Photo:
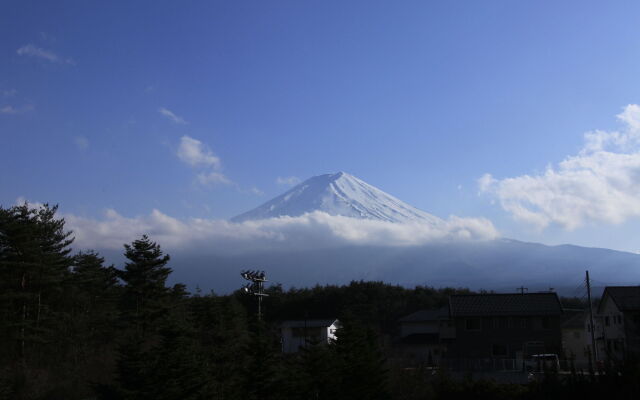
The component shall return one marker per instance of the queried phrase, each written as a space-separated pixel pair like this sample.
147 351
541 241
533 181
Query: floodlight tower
255 287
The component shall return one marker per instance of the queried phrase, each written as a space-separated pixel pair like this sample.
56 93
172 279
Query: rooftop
505 304
434 314
627 298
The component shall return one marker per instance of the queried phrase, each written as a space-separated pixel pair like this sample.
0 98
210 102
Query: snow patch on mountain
339 194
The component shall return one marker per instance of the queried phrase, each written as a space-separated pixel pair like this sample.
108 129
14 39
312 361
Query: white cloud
32 204
195 153
599 184
173 117
256 191
9 109
81 142
288 181
213 178
37 52
9 92
312 230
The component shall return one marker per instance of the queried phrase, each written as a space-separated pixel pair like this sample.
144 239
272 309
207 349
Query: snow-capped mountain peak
339 194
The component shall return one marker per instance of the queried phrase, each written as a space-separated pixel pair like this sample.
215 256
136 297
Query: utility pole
594 349
522 289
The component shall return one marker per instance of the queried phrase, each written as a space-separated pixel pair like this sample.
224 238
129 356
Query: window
606 321
473 324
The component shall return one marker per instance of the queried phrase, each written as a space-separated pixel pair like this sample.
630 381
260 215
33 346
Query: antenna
255 286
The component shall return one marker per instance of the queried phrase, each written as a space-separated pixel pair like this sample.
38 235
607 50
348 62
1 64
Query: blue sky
420 99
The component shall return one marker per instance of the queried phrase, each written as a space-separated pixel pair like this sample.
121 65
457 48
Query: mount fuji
339 194
495 264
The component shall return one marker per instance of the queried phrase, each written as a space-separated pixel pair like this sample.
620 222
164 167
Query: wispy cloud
198 155
8 110
172 116
288 181
304 232
81 142
599 184
195 153
48 55
213 178
15 110
9 92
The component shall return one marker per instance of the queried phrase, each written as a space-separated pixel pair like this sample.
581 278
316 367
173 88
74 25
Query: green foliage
145 297
361 364
34 264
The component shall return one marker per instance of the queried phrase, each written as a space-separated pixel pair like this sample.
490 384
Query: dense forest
72 327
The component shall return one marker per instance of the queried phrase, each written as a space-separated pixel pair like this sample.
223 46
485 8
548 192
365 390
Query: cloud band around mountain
312 230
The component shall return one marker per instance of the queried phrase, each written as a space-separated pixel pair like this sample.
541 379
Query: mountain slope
500 265
339 194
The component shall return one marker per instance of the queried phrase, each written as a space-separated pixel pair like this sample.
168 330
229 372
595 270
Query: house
505 326
617 329
425 334
575 338
301 333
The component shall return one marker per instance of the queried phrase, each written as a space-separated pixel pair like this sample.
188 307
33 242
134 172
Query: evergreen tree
146 295
221 325
361 365
317 376
34 268
92 329
260 376
178 369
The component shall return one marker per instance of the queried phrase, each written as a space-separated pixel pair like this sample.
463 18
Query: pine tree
34 263
361 364
92 329
221 326
95 293
316 374
178 369
260 375
146 295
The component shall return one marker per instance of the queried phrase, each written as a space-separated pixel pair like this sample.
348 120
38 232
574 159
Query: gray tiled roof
627 298
508 304
434 314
